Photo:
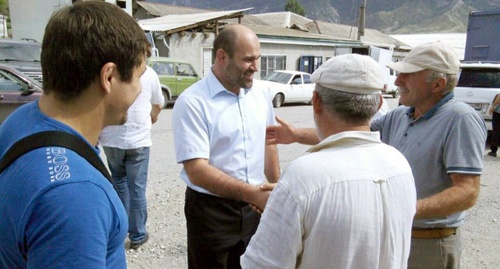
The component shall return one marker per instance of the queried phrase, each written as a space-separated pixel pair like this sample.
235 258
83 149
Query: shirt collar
433 110
349 137
215 87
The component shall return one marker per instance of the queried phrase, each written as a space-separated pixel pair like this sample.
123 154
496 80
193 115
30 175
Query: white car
287 86
477 86
390 87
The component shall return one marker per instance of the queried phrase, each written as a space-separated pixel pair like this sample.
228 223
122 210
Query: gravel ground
167 226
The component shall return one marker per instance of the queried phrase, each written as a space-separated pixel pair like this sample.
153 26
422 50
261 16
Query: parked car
23 55
477 86
16 89
175 76
287 86
390 87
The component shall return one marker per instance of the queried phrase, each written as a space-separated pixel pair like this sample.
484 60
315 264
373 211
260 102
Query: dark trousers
218 230
495 134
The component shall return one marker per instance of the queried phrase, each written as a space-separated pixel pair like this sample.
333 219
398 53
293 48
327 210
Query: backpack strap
54 138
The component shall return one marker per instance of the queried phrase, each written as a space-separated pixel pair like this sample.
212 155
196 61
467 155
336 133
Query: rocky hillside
388 16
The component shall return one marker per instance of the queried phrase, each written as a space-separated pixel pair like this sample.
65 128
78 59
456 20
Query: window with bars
269 63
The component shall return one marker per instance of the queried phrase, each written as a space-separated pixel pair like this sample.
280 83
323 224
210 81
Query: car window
185 70
279 77
163 68
297 79
9 83
20 52
307 79
479 77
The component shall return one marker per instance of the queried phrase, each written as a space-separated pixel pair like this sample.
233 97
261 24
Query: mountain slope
388 16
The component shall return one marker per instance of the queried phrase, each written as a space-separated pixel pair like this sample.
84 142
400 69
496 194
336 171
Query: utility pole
361 23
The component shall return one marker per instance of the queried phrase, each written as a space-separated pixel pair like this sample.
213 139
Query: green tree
4 7
295 7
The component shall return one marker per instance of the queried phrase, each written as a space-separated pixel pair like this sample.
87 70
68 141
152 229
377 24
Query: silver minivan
477 86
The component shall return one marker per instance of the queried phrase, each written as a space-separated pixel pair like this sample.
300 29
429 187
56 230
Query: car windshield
20 52
479 77
279 77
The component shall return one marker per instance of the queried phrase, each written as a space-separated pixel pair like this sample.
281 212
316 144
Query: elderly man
443 140
350 202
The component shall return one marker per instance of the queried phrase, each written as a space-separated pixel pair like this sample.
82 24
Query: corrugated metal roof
370 37
174 23
271 25
283 19
252 20
273 31
160 9
335 31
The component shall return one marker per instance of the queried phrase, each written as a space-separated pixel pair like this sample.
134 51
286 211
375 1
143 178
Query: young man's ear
107 75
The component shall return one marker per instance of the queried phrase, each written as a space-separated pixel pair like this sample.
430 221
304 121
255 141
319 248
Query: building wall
190 48
295 52
3 30
196 49
29 17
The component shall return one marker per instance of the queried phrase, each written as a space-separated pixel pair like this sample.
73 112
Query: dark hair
225 40
80 39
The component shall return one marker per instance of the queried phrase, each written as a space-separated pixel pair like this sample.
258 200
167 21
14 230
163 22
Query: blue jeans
129 170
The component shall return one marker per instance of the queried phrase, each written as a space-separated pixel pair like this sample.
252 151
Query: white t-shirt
135 133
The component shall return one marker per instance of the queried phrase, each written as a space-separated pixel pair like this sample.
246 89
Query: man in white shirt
350 202
127 152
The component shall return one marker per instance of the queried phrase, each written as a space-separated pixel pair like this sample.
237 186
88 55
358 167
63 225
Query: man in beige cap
350 202
442 139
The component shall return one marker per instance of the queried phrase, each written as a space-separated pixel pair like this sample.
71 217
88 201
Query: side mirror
28 90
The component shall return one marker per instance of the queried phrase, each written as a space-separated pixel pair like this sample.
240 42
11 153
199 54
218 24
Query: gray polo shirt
450 138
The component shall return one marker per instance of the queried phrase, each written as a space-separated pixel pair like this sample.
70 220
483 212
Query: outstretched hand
280 134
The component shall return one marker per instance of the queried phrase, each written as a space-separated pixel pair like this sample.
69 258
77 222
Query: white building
456 40
29 17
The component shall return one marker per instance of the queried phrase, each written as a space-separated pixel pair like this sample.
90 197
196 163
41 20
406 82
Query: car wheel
166 97
277 100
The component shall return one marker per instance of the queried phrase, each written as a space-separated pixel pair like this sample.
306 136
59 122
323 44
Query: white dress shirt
229 130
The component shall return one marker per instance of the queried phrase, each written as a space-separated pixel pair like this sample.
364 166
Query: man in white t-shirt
350 202
127 152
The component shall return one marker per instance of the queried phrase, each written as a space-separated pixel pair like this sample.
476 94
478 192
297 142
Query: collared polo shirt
449 138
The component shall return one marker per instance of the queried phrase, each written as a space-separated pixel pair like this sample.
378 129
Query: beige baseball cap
351 73
437 56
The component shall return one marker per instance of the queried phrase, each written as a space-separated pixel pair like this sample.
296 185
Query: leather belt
432 233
